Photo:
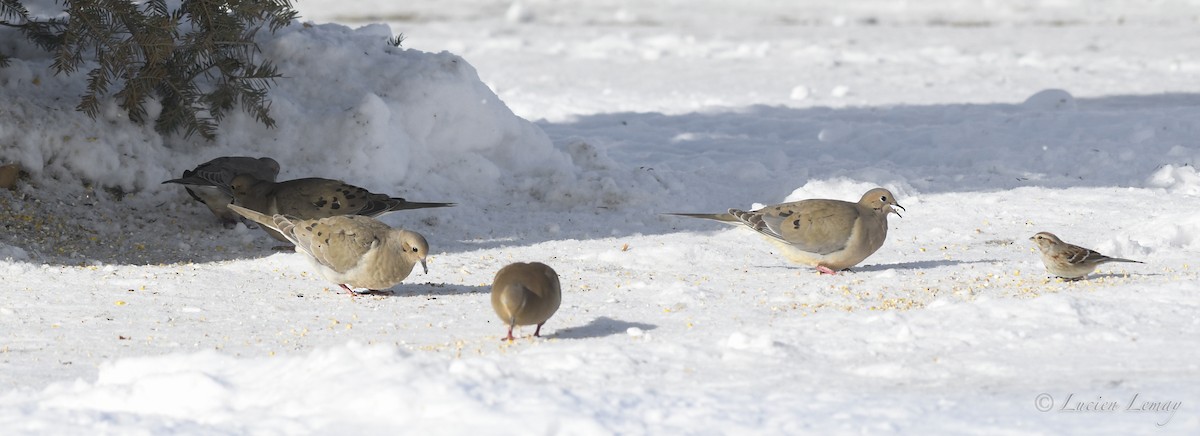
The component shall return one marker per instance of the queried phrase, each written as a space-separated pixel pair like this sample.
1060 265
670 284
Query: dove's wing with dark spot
310 198
339 242
816 226
359 201
320 198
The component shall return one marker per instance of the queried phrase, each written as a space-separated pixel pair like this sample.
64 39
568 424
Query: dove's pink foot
538 332
510 336
347 288
824 270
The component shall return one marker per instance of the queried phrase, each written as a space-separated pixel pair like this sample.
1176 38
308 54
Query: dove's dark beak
901 208
424 267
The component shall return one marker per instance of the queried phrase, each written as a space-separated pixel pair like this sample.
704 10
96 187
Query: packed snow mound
395 117
350 106
1168 231
1051 100
1176 180
376 388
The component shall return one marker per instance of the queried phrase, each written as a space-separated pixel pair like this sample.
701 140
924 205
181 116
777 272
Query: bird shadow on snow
428 290
1119 276
600 327
919 264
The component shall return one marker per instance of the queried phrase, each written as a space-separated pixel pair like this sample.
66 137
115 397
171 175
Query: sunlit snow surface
563 130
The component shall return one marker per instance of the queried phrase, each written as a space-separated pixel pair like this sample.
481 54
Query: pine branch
13 10
45 34
396 41
199 60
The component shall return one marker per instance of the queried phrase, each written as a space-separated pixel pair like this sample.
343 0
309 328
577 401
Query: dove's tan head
1045 240
881 200
271 165
414 246
242 182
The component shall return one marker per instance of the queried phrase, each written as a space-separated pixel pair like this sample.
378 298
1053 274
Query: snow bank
1176 180
350 389
350 106
1051 100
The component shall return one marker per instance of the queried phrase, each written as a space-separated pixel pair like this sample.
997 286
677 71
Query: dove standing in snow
353 251
526 294
314 198
209 182
1069 261
831 235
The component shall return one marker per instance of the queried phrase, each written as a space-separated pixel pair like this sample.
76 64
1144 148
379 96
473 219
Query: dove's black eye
414 249
883 199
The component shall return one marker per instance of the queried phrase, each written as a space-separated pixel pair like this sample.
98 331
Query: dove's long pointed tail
1118 259
722 217
278 223
190 178
405 205
376 209
255 216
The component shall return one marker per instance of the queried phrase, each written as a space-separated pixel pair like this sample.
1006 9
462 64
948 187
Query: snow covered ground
127 309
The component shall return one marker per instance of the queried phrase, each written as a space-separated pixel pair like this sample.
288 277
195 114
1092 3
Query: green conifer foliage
199 60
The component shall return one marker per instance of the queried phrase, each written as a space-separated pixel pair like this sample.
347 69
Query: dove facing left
314 198
352 251
209 183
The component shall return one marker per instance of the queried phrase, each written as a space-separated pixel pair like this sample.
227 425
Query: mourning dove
1069 261
526 294
352 251
209 182
314 198
831 235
